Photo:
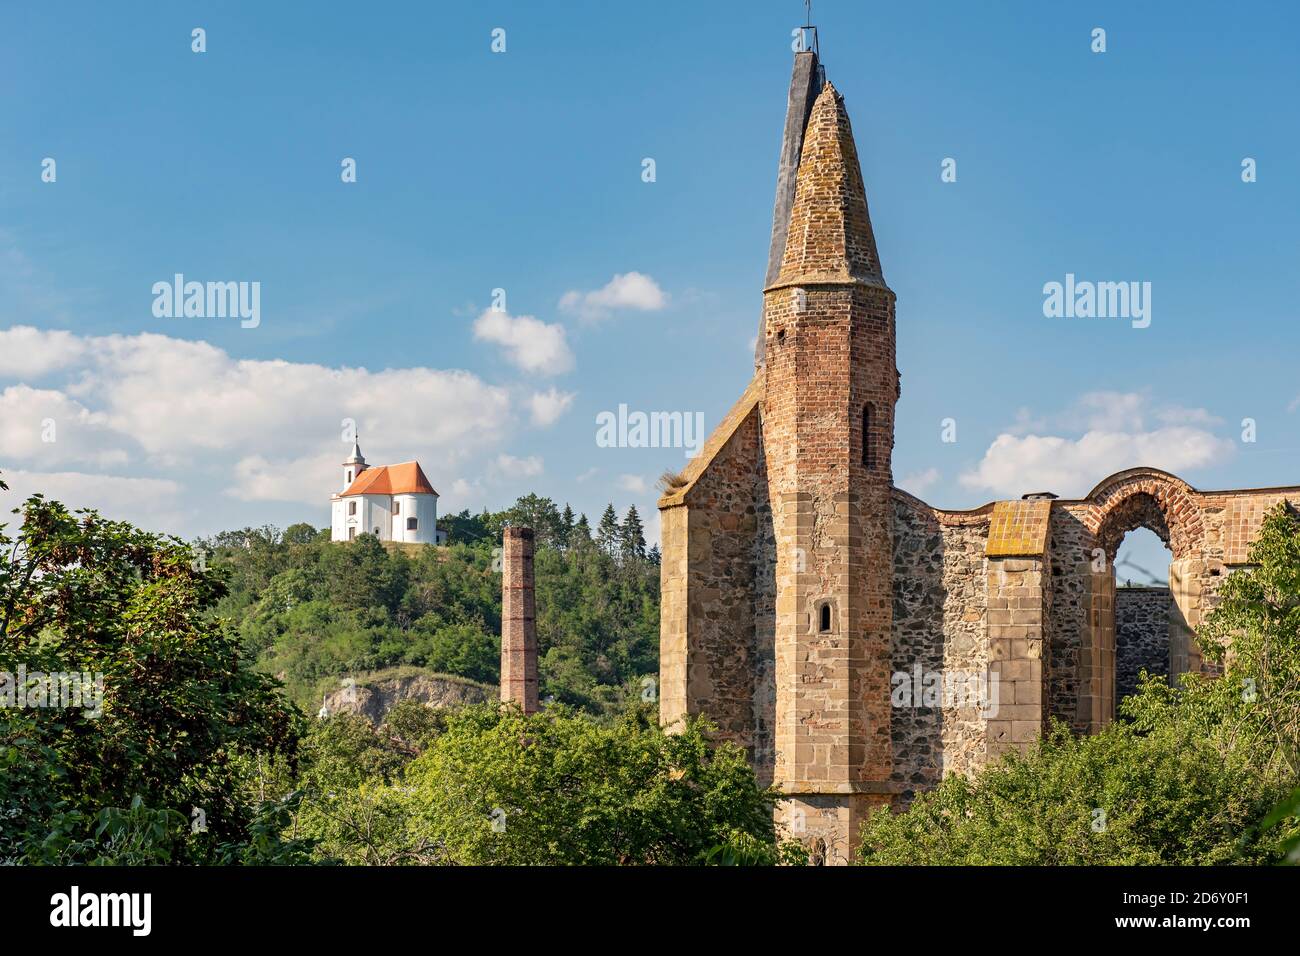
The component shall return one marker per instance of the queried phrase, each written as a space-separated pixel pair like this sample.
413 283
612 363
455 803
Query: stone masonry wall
708 644
1141 635
939 610
762 747
1069 625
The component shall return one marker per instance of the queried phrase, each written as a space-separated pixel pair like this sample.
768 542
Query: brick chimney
518 624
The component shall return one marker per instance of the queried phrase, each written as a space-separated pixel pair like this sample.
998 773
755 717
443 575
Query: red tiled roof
404 479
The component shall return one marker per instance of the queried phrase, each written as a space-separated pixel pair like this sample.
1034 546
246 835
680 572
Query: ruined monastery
797 580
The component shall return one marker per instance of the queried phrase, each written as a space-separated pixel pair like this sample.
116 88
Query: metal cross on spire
808 25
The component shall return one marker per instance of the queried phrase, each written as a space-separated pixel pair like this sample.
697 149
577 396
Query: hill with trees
314 613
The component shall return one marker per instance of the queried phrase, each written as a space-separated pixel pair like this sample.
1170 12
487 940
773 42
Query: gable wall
708 651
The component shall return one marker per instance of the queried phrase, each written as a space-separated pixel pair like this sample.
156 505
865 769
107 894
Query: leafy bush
494 786
557 788
1135 795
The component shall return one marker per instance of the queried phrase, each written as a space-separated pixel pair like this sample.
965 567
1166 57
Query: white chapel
392 502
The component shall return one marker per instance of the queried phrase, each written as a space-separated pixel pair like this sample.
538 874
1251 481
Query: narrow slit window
868 460
825 622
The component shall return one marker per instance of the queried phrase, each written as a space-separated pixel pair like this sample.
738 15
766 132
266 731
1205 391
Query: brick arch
1145 498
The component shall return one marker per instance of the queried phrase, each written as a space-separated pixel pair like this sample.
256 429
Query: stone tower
518 620
827 434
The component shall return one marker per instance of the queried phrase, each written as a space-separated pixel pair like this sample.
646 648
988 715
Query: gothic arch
1167 505
1145 498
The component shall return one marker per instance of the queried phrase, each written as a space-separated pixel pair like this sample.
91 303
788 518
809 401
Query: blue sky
522 171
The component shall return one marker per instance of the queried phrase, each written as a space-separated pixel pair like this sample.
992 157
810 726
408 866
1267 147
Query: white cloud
1027 422
1118 411
155 407
308 480
1114 437
920 482
529 343
1106 411
547 407
33 353
1177 415
46 428
149 503
179 399
633 483
462 490
516 467
628 290
1294 404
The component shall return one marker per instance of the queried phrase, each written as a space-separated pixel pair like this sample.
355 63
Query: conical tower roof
830 237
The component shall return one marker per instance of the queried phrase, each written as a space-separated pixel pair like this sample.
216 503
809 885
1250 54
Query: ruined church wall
940 605
1073 620
709 656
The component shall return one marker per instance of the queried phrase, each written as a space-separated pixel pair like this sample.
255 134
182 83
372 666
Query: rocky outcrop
376 695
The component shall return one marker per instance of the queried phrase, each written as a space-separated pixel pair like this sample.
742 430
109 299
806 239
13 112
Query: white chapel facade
392 502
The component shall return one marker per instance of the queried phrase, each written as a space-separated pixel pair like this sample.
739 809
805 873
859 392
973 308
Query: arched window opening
1142 609
824 625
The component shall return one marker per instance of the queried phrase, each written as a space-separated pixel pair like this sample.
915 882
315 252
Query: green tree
364 574
499 787
179 707
632 534
608 534
463 649
581 534
567 521
1255 629
304 533
348 811
464 528
540 514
